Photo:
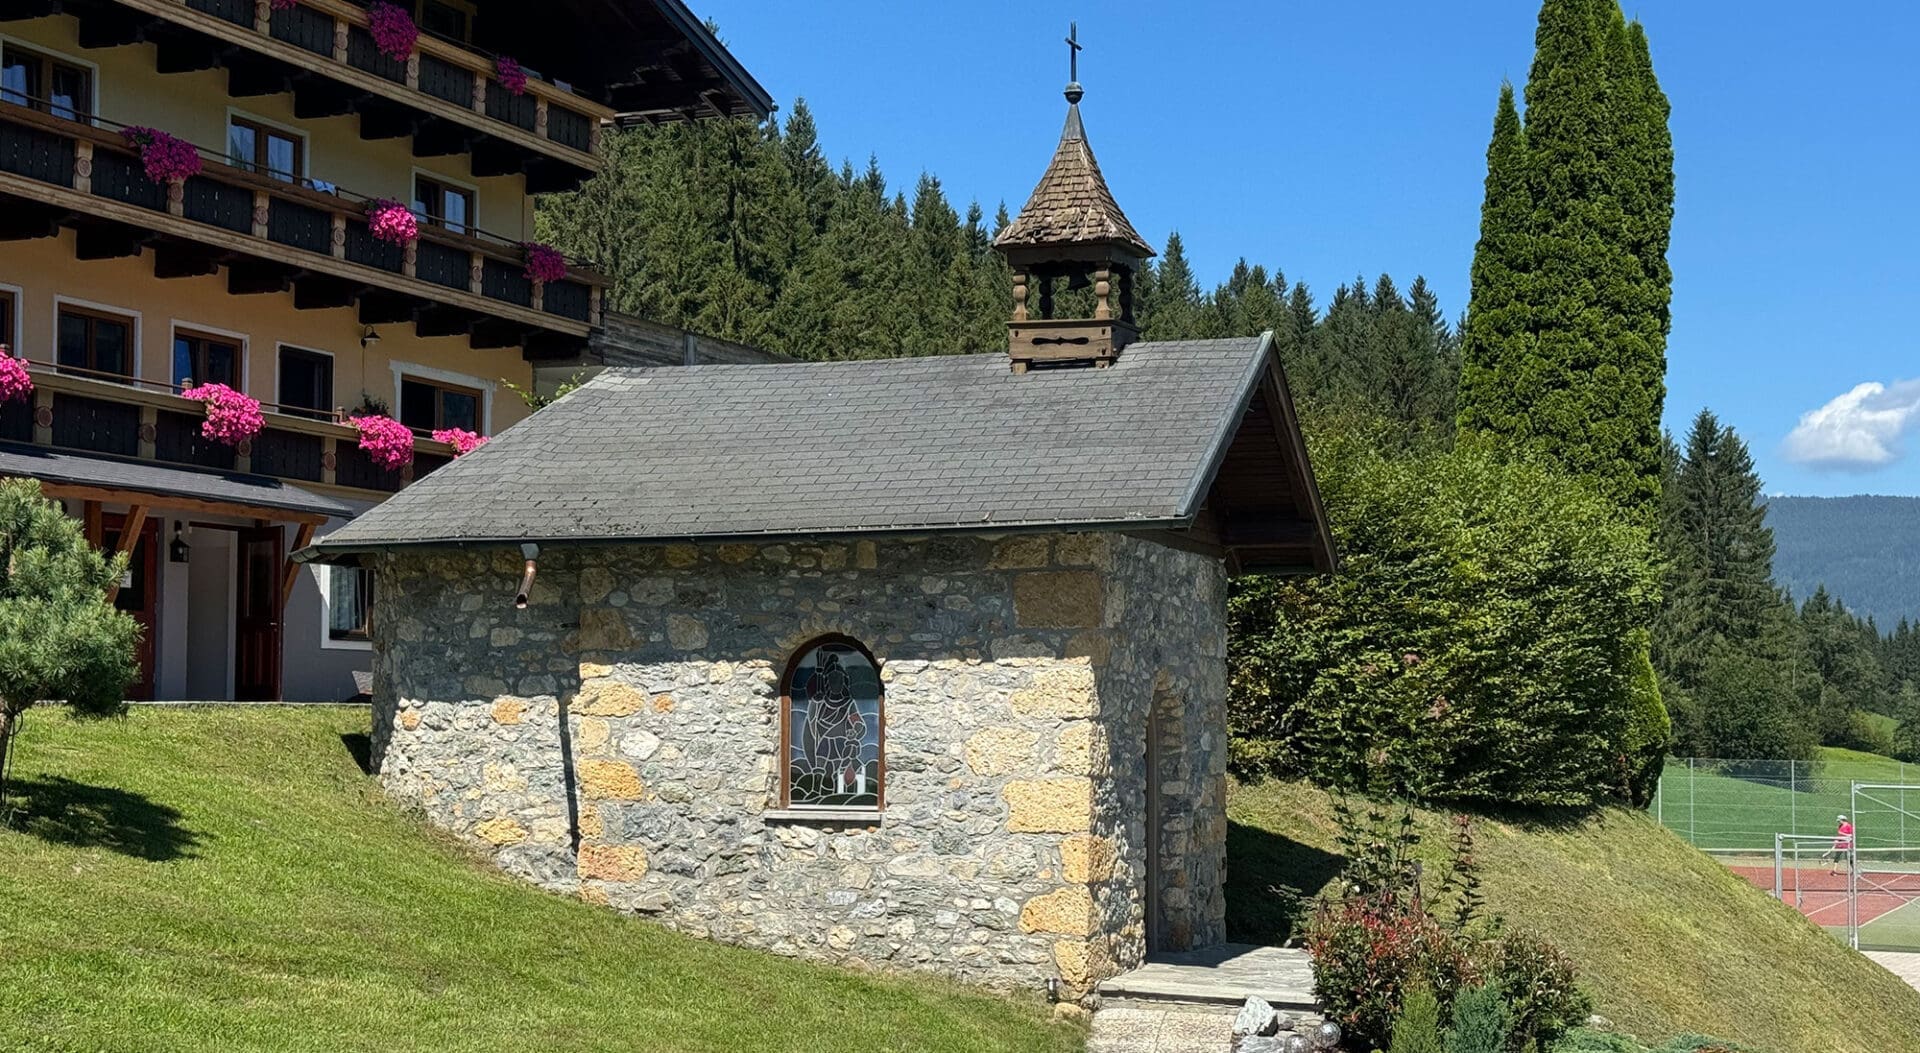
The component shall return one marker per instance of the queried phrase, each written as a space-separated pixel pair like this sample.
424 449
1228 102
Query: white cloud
1860 429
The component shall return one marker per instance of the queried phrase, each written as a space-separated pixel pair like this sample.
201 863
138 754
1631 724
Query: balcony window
448 21
45 83
271 151
95 342
7 319
427 406
443 204
201 359
306 383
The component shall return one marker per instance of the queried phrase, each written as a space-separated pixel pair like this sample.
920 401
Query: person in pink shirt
1842 844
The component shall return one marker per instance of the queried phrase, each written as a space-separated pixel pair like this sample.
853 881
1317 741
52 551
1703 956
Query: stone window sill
822 815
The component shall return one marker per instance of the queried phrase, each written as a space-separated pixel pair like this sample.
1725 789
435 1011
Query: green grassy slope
225 879
1668 941
1742 804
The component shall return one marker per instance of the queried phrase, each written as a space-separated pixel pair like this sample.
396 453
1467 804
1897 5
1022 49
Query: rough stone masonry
633 710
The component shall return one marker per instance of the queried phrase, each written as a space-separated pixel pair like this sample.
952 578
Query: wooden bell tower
1071 229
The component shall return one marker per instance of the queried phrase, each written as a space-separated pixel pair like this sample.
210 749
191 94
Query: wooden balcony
446 97
274 236
122 417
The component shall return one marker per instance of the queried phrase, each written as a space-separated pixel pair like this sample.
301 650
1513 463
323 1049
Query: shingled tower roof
1072 205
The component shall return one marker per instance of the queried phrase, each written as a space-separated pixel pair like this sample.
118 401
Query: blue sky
1336 139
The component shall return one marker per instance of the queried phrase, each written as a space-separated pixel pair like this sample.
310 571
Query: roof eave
757 98
322 552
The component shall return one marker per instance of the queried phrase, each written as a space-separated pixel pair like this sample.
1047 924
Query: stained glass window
833 728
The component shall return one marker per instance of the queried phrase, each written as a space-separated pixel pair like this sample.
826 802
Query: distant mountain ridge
1865 550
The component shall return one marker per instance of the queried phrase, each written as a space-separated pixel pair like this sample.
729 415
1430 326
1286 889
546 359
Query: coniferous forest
1531 569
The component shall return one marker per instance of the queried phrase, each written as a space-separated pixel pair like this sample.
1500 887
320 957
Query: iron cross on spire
1073 52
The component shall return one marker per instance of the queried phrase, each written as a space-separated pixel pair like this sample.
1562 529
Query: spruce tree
1498 335
1173 313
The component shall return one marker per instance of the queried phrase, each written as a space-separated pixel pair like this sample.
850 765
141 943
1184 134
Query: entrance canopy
83 478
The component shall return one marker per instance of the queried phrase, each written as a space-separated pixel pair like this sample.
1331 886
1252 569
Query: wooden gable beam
301 539
136 521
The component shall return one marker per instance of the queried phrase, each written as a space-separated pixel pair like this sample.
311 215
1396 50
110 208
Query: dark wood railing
334 33
92 158
90 412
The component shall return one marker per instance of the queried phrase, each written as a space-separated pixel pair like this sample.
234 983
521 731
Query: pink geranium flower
232 417
510 75
164 157
393 31
463 441
393 222
387 441
15 383
544 263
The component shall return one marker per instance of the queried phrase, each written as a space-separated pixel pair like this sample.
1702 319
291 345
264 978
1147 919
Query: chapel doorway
1156 879
256 629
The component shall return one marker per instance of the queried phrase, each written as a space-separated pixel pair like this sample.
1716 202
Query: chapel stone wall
618 739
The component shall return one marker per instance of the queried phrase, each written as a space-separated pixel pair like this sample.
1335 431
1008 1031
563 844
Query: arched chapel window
831 727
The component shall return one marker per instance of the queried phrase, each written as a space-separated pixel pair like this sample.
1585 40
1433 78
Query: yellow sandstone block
509 710
1001 751
1085 858
610 780
501 831
1067 912
1049 806
608 698
1063 692
612 862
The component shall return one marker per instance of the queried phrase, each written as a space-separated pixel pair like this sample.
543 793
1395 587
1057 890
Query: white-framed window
95 338
12 329
427 399
48 81
346 607
303 381
259 145
446 202
206 354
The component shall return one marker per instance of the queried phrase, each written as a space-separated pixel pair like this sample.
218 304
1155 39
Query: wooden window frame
10 322
786 732
439 409
262 130
358 640
47 61
63 308
466 9
434 211
279 383
208 336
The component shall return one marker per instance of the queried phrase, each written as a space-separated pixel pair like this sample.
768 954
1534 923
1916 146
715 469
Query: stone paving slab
1223 975
1146 1028
1902 964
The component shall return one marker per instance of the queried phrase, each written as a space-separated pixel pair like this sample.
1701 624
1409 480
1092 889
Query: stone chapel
914 663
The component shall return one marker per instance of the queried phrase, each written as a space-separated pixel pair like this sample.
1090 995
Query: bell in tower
1071 229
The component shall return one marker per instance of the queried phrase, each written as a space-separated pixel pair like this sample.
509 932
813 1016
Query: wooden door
139 595
256 619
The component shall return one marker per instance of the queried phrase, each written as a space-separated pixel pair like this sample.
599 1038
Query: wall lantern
178 550
370 337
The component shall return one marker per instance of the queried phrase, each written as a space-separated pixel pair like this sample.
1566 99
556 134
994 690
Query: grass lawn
1668 940
1741 805
228 879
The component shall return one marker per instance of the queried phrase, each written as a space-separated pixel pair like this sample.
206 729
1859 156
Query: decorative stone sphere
1327 1034
1295 1042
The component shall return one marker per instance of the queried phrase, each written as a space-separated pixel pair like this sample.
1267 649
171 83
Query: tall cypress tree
1566 355
1497 337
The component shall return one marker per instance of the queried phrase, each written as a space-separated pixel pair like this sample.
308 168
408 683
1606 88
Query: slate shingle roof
1072 204
825 448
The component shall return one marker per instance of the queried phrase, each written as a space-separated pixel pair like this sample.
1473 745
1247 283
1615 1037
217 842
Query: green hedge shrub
1482 641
